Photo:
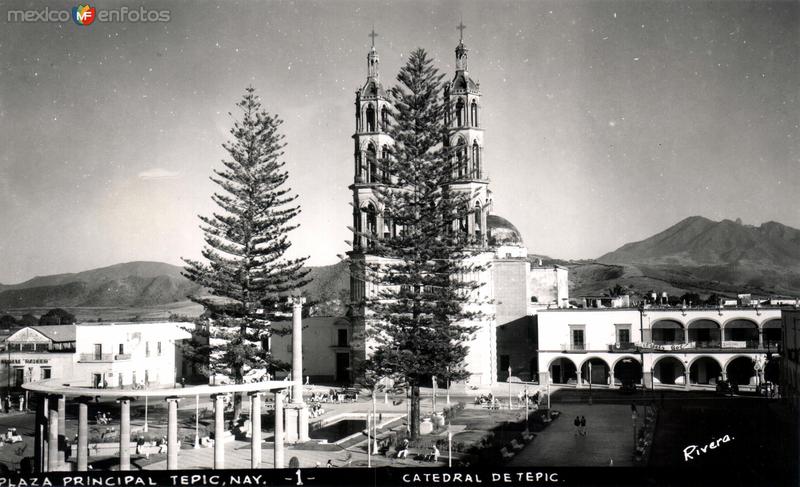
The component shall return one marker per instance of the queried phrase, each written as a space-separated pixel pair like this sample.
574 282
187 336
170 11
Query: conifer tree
418 321
247 270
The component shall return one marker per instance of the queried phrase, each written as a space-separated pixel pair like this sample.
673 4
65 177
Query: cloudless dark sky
606 121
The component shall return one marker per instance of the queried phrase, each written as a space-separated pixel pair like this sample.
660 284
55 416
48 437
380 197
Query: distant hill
128 284
701 255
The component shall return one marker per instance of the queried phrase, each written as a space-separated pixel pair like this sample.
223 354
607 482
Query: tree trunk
237 406
414 412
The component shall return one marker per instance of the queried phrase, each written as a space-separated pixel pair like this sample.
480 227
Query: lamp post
526 407
145 414
197 421
433 380
634 415
509 387
590 383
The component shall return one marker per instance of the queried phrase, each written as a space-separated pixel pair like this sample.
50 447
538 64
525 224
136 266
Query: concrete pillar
544 378
724 374
83 436
648 379
302 424
255 430
278 452
579 383
40 436
52 441
760 338
297 348
62 429
611 379
219 431
290 415
124 433
172 433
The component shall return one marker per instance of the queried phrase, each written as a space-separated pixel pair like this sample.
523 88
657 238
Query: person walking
577 424
583 425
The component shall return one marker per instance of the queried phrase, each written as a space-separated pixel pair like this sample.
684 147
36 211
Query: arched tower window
359 168
477 216
463 223
372 225
384 119
388 228
370 118
372 163
460 113
476 160
461 162
473 110
384 162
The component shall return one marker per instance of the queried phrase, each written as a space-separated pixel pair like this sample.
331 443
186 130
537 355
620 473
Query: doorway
342 367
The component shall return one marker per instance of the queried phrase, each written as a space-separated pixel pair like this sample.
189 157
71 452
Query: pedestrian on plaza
329 464
577 424
583 425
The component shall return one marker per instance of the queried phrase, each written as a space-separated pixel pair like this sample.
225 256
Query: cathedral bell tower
371 143
462 98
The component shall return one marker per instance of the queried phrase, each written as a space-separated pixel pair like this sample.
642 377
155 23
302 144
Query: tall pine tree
247 270
426 305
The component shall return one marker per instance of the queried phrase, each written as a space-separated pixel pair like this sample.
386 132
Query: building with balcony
657 346
95 354
790 360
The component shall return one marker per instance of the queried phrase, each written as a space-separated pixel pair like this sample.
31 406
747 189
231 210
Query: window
577 337
372 163
372 224
46 373
474 113
384 118
370 119
146 349
478 217
98 351
460 115
476 163
158 345
623 335
505 363
121 348
341 337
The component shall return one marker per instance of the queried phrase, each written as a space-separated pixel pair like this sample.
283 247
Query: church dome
503 232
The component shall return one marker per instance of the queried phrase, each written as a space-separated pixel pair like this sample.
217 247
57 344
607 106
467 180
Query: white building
95 354
705 343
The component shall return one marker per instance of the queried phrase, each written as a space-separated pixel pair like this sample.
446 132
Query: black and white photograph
399 243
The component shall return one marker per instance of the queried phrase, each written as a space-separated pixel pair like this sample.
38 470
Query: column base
290 415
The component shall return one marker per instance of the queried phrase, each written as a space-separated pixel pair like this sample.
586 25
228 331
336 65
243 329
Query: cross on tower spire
461 28
373 35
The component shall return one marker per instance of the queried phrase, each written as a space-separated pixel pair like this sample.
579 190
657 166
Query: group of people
484 399
316 410
8 403
102 418
432 456
580 425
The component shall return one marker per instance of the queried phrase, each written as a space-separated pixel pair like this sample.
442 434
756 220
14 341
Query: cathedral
513 288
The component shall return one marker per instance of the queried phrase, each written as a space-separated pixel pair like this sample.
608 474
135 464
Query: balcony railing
574 347
122 356
622 347
93 357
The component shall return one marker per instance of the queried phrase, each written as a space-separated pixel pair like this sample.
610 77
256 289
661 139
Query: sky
606 121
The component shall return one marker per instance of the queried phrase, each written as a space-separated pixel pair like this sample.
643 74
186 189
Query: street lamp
509 387
433 379
634 415
590 383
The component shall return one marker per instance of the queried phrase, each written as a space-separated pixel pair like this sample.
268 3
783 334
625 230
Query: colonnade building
657 346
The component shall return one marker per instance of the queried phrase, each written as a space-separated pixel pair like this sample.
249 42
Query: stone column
290 416
544 378
124 433
297 348
219 431
579 384
611 384
40 436
302 424
255 430
83 435
647 379
52 441
62 429
172 433
278 452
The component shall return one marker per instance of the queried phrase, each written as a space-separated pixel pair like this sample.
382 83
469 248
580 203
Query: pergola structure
51 431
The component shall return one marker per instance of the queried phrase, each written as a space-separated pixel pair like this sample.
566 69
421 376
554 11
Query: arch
667 332
562 370
372 224
741 370
370 116
772 333
478 218
461 158
384 119
668 369
627 369
741 330
372 164
384 162
476 160
600 371
473 112
704 370
705 332
460 113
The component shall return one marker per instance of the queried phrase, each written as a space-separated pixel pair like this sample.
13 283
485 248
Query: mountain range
695 255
